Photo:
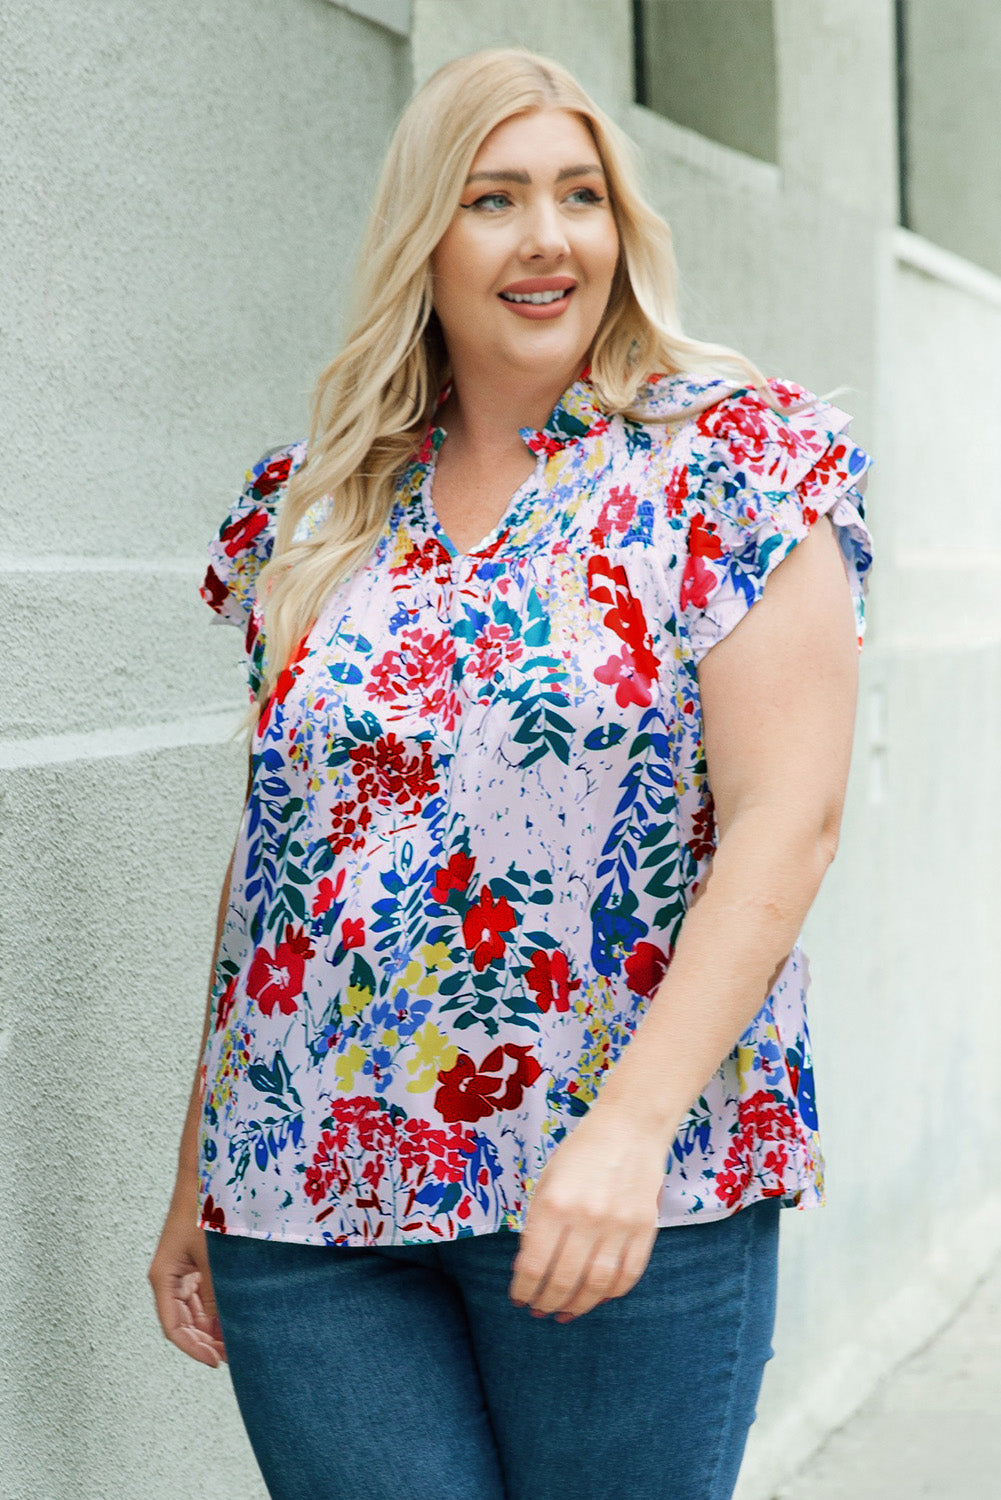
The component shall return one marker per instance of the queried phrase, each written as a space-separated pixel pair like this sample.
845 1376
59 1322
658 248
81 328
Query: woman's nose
545 233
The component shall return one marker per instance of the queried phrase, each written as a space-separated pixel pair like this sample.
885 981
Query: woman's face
523 273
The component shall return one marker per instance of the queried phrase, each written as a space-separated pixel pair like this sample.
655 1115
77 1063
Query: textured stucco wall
952 81
183 188
186 190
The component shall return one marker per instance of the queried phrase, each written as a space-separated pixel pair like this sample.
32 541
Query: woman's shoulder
745 437
752 475
679 397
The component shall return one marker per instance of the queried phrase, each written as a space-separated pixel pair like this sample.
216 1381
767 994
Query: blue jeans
406 1373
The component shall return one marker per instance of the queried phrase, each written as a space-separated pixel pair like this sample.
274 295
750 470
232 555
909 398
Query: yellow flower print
436 961
433 1053
745 1068
347 1065
422 977
401 547
355 999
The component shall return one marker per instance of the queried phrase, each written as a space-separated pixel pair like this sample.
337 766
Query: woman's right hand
182 1284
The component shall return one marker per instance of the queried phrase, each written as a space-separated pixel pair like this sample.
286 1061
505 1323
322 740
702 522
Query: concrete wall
952 82
187 191
183 190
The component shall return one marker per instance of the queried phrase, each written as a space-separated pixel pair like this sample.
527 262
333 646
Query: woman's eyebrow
511 175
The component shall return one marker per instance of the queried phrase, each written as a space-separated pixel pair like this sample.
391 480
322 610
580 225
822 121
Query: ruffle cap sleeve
242 547
757 480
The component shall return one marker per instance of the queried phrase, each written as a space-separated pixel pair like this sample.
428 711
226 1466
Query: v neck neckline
512 513
572 419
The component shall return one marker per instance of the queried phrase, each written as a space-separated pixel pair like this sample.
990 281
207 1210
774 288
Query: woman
507 1018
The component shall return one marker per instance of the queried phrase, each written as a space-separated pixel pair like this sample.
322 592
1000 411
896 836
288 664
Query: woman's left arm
778 704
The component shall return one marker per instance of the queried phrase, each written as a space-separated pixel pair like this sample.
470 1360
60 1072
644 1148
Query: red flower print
320 1174
417 678
238 535
213 1216
353 933
422 560
284 684
788 391
676 490
213 590
349 823
483 925
361 1137
224 1008
702 538
617 512
470 1093
765 1118
389 776
645 968
273 475
422 1148
276 978
454 877
492 648
631 686
735 1176
253 628
703 837
776 1161
548 977
697 584
744 416
327 893
608 584
542 442
698 581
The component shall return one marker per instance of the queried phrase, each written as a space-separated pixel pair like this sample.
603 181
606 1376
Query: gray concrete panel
710 65
110 871
952 81
184 188
88 648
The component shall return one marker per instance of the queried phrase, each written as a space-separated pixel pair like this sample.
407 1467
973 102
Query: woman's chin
547 346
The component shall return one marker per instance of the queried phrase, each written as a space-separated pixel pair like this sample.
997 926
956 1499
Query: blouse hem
802 1195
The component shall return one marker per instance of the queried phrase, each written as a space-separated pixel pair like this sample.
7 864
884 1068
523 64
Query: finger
539 1245
196 1289
603 1283
634 1262
602 1273
200 1346
182 1319
567 1272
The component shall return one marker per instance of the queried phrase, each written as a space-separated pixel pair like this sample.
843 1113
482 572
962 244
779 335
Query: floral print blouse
479 810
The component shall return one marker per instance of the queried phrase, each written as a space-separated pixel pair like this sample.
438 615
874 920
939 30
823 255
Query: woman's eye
489 202
585 195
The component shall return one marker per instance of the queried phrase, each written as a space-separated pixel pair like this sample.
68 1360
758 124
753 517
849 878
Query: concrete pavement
932 1429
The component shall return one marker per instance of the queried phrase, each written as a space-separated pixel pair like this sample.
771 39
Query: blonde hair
372 403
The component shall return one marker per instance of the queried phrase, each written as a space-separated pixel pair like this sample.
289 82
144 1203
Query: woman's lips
537 311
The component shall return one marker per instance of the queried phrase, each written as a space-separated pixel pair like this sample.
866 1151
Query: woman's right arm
179 1271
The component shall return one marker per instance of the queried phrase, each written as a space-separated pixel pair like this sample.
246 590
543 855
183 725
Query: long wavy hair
372 403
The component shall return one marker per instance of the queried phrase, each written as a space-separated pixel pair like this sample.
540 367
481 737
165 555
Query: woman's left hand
591 1221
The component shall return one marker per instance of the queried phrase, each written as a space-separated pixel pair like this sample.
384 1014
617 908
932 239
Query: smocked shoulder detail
755 481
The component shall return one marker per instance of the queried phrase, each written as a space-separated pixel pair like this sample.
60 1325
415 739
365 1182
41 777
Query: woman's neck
485 413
